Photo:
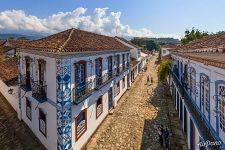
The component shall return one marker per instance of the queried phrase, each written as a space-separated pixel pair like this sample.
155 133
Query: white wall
11 98
50 142
214 73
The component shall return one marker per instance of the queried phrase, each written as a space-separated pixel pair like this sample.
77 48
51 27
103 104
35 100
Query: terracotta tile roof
2 42
73 40
128 42
133 62
213 59
8 69
170 46
146 52
211 41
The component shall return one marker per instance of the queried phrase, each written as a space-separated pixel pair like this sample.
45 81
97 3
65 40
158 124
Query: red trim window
28 109
99 107
123 85
42 122
81 124
118 88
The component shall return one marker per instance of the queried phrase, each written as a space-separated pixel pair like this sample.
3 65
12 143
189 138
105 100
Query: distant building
197 81
138 58
167 49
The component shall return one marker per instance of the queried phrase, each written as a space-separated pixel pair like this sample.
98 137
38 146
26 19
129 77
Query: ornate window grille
204 80
99 107
221 107
28 109
42 122
81 124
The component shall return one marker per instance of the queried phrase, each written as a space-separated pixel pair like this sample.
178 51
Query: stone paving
14 134
135 119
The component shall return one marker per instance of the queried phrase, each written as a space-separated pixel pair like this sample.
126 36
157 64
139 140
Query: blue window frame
192 82
205 95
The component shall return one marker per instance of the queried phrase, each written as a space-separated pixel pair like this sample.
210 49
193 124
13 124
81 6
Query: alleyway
14 134
135 119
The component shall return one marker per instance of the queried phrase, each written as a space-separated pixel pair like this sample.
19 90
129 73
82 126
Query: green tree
152 45
163 69
23 38
193 35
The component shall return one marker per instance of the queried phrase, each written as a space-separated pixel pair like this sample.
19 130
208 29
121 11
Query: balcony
81 92
25 83
39 91
101 81
110 74
206 131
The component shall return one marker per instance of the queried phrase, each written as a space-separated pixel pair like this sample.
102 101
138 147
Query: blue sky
163 17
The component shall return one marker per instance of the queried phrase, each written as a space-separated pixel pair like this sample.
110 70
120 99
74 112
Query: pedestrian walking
160 134
148 79
166 137
151 79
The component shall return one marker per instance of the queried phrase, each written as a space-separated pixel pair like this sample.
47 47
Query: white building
197 81
138 58
69 82
167 49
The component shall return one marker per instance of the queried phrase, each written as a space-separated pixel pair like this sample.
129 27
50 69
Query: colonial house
137 61
8 50
197 81
69 82
167 49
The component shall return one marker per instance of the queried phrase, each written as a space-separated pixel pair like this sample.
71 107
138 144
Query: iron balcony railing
25 83
201 122
101 81
39 91
82 91
110 74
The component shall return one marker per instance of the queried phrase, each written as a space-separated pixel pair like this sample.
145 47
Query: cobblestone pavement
135 119
14 134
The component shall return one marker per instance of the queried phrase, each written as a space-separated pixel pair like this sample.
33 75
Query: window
205 92
99 107
118 88
128 63
80 72
98 71
123 61
42 122
81 123
123 85
192 82
164 51
28 108
222 107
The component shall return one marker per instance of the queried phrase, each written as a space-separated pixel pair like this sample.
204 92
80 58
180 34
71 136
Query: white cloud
100 22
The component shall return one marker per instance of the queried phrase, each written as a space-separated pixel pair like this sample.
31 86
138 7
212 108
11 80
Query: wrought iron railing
39 91
110 74
201 122
81 91
25 83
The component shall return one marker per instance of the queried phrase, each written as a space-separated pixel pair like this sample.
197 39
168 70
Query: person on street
160 134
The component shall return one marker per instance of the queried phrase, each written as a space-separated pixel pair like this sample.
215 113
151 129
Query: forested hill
154 43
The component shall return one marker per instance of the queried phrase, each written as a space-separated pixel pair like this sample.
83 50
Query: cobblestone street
14 134
135 119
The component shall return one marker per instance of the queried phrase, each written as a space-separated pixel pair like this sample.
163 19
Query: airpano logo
209 143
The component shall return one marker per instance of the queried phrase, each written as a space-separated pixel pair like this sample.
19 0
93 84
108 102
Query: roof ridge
69 37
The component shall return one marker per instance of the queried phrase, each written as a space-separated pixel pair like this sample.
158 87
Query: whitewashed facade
64 97
197 90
